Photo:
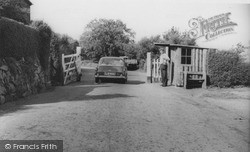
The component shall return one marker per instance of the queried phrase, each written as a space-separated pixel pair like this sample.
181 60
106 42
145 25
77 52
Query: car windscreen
111 62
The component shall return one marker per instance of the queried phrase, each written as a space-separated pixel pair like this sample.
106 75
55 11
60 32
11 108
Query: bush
45 33
15 14
56 72
17 40
59 45
228 69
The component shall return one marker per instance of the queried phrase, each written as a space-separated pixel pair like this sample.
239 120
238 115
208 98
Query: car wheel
79 77
123 81
97 80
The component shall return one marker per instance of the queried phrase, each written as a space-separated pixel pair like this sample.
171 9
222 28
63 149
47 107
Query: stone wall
24 55
20 78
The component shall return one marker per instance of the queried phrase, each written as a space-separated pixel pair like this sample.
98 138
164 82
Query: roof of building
28 2
180 45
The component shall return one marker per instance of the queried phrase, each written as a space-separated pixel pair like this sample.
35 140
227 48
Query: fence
156 72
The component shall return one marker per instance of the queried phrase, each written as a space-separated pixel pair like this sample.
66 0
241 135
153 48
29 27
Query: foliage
18 40
59 45
106 37
45 33
13 13
43 28
174 36
55 60
147 45
53 46
67 45
227 68
131 50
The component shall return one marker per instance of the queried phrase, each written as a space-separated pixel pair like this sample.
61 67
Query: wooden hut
187 66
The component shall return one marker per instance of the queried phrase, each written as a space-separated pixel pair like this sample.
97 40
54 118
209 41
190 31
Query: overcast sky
145 17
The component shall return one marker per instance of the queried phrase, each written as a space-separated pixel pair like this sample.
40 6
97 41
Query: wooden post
157 70
153 74
166 51
177 67
204 84
78 50
200 61
149 71
78 59
160 78
63 69
185 79
170 66
193 60
197 60
194 64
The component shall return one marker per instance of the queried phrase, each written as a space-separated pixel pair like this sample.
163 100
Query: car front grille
101 73
119 73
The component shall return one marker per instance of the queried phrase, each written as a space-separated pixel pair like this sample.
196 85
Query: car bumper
110 77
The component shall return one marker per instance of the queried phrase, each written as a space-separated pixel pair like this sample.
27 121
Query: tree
174 36
59 44
131 50
106 37
147 45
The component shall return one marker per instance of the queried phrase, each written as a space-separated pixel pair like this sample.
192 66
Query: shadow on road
135 82
130 82
73 92
70 93
103 97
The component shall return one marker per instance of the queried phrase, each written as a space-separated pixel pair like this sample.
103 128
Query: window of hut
185 56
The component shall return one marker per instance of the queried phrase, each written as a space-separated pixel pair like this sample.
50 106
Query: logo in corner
211 28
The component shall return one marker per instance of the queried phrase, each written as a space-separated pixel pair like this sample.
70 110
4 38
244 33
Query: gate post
149 70
63 68
78 59
78 50
204 84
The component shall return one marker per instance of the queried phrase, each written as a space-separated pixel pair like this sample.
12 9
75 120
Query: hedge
228 69
15 14
45 33
35 41
18 40
22 41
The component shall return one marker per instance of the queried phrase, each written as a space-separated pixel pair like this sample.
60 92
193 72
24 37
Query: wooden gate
153 72
72 67
156 72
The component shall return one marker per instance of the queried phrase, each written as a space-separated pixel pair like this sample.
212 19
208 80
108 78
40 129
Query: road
132 117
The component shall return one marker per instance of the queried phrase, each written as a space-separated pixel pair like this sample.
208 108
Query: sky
145 17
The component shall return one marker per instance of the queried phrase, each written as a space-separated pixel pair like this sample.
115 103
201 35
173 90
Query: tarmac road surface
132 117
